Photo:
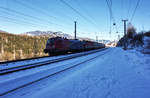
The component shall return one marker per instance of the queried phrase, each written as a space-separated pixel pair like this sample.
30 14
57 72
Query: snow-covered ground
146 45
27 76
116 74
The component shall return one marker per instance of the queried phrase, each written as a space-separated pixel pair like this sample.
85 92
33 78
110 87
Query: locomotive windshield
50 41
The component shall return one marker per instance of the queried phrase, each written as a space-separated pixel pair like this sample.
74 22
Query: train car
76 45
88 45
98 45
59 45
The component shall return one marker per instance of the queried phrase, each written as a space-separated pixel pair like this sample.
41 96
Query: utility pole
125 35
75 31
96 38
118 37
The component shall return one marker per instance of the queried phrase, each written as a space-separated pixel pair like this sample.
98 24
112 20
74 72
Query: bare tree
131 31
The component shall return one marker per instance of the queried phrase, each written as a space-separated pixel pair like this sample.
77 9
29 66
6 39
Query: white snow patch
117 74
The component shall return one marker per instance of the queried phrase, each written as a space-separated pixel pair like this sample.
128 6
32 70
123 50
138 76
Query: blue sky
56 16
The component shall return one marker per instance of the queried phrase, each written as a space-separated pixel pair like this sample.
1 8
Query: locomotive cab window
48 41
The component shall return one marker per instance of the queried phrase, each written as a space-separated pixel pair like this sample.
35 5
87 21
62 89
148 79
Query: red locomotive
59 45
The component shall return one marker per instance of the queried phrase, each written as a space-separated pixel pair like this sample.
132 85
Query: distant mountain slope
60 34
1 31
52 34
48 34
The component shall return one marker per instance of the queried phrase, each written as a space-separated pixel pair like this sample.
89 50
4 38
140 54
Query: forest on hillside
14 47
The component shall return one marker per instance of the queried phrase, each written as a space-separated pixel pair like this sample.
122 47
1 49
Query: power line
16 22
38 10
26 15
10 13
86 11
76 11
20 21
130 2
5 13
32 8
109 4
44 12
137 4
122 9
48 11
25 18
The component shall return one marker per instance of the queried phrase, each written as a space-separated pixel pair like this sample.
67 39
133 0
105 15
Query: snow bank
117 74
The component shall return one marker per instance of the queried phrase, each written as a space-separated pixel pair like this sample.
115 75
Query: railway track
43 63
2 93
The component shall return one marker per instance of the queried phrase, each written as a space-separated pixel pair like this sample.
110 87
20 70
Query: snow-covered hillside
60 34
48 33
140 42
115 74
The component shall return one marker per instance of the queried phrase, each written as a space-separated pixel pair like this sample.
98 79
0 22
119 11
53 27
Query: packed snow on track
117 74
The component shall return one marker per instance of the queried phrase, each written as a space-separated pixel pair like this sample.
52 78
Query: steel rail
55 73
33 65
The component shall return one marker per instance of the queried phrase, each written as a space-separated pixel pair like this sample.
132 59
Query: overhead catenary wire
44 12
137 4
129 8
122 9
76 11
89 15
25 19
47 11
21 21
26 5
34 9
26 15
6 13
16 22
109 4
112 18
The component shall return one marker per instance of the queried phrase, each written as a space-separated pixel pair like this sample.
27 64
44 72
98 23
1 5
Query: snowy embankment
146 46
117 74
38 60
28 76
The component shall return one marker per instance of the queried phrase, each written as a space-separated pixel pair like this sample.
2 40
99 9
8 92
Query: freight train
59 45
